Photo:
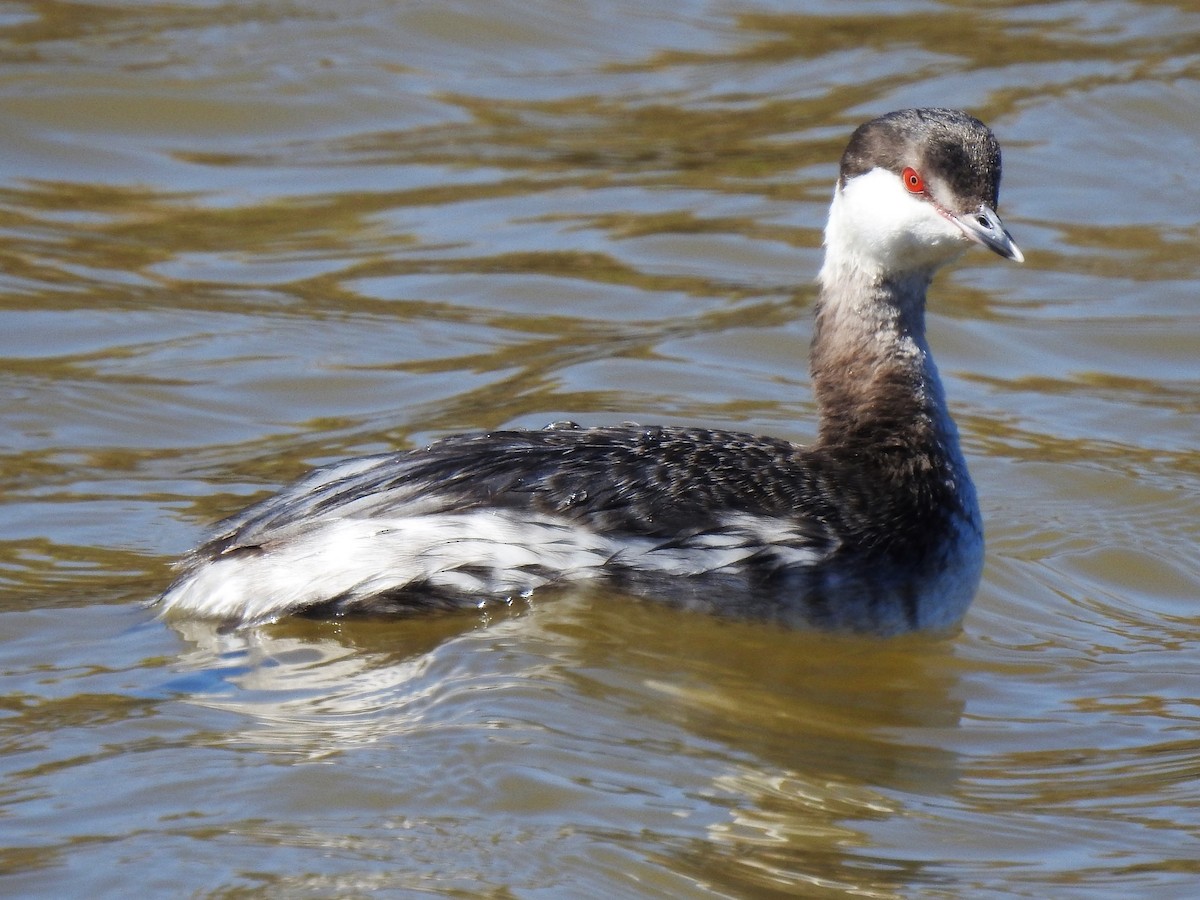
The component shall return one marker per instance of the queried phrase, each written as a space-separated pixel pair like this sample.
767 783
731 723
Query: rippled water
239 240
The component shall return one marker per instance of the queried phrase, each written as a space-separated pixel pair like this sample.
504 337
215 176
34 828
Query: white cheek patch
876 225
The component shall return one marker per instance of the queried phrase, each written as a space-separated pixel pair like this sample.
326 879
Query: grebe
873 528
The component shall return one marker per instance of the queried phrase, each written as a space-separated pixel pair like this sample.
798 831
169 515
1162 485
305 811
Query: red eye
914 182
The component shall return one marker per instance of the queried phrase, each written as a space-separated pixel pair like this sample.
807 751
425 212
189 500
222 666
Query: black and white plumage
875 527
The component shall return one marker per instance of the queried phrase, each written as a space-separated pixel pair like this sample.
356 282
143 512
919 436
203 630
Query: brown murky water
237 240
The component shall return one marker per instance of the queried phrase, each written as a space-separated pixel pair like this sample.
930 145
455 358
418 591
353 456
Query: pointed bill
984 227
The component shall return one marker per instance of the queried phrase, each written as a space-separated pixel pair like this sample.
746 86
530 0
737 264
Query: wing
672 484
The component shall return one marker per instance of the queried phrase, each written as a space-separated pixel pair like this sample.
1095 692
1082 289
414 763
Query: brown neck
875 383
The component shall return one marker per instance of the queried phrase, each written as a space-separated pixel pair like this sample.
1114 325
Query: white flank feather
492 553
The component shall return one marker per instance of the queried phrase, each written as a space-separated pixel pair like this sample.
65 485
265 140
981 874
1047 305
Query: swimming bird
874 527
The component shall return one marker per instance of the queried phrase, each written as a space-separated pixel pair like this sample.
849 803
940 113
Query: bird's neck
876 385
